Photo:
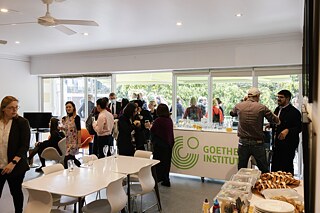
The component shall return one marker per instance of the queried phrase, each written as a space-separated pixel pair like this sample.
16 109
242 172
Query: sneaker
39 169
166 183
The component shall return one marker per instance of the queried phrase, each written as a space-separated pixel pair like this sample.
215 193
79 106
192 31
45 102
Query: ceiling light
4 10
179 23
17 42
239 14
85 34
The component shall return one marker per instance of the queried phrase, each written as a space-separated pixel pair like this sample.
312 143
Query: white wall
16 81
282 49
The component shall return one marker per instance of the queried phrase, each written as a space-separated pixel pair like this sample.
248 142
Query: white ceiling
132 23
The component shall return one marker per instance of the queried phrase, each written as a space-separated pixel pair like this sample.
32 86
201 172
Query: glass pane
271 85
73 90
192 87
51 96
230 90
152 86
98 87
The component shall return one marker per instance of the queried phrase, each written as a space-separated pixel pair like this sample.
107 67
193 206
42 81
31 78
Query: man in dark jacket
286 134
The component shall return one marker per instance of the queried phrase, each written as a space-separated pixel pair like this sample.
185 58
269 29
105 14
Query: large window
192 87
51 95
271 85
230 90
80 90
151 86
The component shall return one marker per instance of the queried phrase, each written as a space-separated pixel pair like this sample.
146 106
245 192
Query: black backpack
89 124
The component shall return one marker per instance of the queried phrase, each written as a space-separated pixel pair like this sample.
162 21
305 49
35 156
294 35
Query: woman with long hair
127 127
14 145
72 129
55 136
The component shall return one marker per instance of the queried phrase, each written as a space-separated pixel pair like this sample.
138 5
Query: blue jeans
248 147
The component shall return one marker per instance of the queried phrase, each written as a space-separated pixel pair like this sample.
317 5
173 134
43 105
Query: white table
131 165
84 181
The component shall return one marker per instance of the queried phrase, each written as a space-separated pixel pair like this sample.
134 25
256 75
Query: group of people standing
196 111
136 126
285 122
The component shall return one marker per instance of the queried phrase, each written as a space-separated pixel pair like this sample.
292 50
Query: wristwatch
14 162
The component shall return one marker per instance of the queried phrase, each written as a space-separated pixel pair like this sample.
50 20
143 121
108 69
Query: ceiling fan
49 21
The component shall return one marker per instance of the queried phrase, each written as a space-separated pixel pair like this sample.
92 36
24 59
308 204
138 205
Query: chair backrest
52 168
116 195
87 158
86 138
63 146
143 154
146 179
51 153
38 202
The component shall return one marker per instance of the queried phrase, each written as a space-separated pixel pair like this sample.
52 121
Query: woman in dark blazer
15 134
127 130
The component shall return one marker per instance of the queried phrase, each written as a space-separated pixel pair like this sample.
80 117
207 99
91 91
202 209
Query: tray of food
244 178
243 187
252 172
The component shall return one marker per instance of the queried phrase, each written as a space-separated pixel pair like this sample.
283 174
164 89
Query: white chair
85 160
40 202
51 153
59 200
143 154
116 200
145 185
140 154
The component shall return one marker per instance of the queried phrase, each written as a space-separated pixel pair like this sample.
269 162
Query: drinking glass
105 150
70 165
112 150
90 162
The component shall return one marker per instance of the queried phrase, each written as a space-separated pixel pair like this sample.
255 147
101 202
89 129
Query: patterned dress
71 136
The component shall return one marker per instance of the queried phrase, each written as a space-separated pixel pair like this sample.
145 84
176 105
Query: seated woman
55 137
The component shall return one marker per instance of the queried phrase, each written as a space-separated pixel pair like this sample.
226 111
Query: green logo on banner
189 160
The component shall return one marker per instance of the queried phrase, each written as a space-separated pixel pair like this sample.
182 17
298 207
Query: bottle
216 206
205 206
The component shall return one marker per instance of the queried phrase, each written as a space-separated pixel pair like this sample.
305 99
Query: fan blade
76 22
65 30
3 42
12 24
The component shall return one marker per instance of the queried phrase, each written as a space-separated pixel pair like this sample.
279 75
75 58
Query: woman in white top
103 126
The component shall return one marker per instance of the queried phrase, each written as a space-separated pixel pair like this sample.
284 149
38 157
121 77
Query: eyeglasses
13 108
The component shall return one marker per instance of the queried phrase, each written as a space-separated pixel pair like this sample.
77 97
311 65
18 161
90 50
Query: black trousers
163 153
102 141
15 187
